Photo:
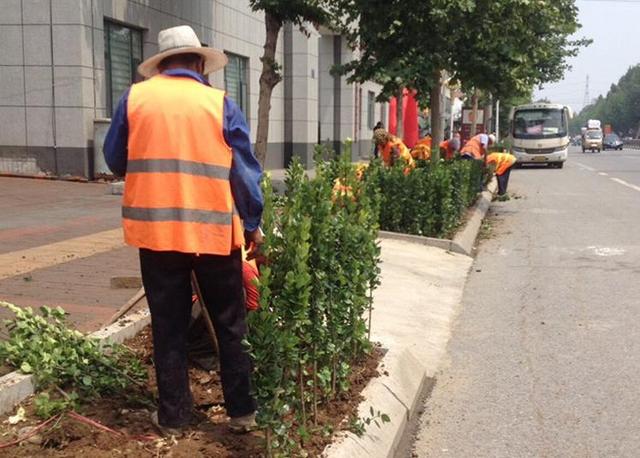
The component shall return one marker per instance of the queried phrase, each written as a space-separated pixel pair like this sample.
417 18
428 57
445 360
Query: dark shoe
197 418
244 424
165 430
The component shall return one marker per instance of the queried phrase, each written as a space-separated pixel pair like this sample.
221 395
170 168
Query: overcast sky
614 27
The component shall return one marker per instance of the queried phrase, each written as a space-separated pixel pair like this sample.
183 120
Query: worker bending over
502 163
477 147
449 148
391 148
422 149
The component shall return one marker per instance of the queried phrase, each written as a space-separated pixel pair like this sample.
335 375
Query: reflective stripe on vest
473 148
178 166
177 191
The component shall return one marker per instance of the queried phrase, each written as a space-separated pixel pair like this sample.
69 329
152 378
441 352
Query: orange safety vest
387 152
177 192
422 149
503 161
446 150
473 147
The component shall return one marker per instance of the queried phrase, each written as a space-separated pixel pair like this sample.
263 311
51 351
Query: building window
383 114
235 81
123 54
371 107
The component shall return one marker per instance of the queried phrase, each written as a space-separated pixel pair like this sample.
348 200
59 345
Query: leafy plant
429 201
64 359
320 239
358 425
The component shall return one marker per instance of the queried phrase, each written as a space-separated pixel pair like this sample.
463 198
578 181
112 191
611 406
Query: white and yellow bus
540 133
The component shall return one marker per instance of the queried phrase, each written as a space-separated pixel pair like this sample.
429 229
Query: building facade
65 63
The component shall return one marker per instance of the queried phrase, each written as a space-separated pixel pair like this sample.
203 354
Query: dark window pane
123 54
235 81
371 106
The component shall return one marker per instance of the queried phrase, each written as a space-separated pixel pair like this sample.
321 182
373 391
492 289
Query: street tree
400 44
507 47
277 12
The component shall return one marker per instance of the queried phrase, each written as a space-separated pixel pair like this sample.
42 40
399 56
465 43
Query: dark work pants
503 182
166 276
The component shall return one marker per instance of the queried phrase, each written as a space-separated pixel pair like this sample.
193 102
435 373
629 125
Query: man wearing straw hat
192 198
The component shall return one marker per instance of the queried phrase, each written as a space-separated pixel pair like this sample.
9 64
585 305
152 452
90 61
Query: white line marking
628 185
586 167
603 174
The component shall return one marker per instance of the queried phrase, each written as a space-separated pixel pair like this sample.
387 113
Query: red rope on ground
96 424
82 419
31 433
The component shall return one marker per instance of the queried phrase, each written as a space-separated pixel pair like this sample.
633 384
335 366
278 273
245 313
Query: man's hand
253 244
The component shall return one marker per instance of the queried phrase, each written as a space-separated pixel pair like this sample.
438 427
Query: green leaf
26 368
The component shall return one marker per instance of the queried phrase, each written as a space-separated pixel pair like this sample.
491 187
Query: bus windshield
539 123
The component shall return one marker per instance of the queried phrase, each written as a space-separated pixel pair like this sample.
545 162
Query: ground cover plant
68 367
116 426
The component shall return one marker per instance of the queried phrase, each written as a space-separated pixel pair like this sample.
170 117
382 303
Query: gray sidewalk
414 309
60 244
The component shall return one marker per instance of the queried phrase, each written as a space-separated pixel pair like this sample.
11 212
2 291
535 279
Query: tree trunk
269 78
474 114
399 114
488 115
437 127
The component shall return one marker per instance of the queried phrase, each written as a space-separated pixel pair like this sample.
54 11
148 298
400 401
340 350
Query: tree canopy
504 47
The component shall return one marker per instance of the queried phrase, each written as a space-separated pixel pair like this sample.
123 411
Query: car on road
592 140
612 141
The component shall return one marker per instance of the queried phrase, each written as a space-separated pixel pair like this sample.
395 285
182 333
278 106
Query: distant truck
592 136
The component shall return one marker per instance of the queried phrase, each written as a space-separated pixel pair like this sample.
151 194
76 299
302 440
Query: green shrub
315 293
429 201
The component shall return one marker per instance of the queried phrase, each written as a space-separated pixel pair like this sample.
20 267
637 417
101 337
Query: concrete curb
417 355
15 387
464 239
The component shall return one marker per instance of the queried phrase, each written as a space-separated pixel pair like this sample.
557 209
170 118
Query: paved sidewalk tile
24 261
60 244
38 212
80 286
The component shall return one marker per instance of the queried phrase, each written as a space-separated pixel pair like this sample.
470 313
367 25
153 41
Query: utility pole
497 120
587 97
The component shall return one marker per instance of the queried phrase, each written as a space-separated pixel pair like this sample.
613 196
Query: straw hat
182 40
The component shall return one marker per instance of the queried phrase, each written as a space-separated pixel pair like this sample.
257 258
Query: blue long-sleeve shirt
245 171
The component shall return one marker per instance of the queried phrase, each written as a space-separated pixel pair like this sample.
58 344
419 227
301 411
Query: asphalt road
544 359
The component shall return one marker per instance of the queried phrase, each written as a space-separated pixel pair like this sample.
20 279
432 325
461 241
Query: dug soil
121 427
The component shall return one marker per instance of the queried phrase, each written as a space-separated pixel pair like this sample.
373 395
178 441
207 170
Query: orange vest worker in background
392 148
449 148
422 149
476 147
191 196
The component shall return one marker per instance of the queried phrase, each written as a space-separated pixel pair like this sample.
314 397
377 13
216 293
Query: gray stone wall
53 78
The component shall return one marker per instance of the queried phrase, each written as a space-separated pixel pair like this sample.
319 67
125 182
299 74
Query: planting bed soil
122 427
